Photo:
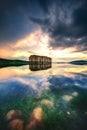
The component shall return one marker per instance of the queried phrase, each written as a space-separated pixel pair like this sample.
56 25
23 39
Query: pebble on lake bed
74 94
85 113
12 114
36 118
68 113
16 124
47 103
37 114
67 97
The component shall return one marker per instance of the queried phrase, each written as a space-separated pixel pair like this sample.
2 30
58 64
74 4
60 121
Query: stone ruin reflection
39 62
39 67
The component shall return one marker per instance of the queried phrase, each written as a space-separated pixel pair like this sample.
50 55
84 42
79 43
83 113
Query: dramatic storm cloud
14 19
65 21
57 28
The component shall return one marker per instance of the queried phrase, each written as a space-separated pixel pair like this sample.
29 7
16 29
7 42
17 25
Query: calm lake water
58 95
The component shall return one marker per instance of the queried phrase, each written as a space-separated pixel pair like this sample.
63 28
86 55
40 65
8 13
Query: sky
54 28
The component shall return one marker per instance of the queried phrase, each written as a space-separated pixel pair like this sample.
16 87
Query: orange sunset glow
37 42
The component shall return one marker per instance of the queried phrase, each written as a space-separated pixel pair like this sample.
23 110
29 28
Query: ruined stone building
35 59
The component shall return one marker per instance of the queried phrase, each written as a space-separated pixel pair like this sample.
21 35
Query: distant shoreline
11 62
79 62
8 62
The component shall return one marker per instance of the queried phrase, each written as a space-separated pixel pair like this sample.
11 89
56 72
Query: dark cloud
66 23
44 4
39 21
64 20
14 21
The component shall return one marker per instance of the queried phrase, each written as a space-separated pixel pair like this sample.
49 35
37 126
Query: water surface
60 92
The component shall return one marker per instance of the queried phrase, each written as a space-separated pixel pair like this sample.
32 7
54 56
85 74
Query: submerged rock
67 97
12 114
74 94
85 113
16 124
68 113
36 118
37 114
48 103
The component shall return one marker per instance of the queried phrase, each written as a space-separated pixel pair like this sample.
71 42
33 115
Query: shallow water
60 90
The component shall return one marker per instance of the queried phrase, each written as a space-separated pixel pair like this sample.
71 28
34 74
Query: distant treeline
79 62
7 62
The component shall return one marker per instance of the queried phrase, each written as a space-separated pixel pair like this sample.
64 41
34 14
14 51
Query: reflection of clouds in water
64 81
28 82
43 84
57 70
15 89
37 84
32 85
23 86
67 69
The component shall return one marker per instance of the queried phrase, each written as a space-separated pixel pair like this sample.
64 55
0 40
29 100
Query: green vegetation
56 116
79 62
80 102
7 63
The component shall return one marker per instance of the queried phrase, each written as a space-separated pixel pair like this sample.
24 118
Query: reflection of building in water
39 62
37 67
35 59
